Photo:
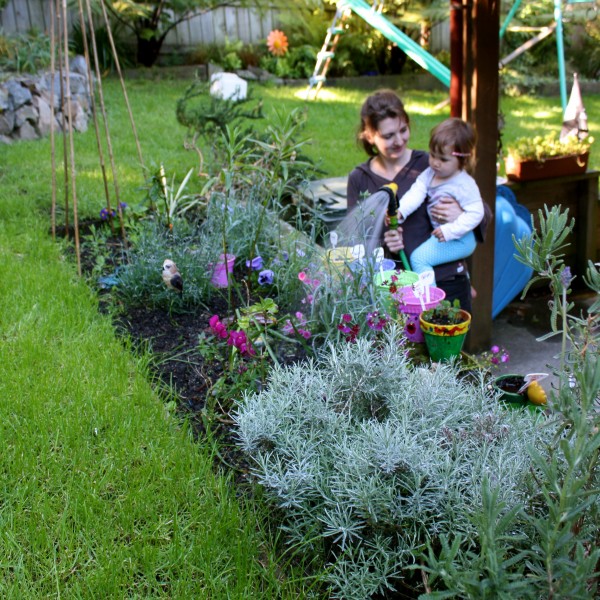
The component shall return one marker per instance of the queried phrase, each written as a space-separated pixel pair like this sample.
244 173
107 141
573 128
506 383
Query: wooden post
480 31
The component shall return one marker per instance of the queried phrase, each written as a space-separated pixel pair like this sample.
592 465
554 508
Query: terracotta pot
557 166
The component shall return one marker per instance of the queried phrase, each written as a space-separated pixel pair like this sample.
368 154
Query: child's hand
438 234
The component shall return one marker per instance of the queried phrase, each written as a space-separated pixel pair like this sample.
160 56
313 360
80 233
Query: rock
78 65
3 99
247 75
17 94
44 114
26 113
7 123
25 103
26 132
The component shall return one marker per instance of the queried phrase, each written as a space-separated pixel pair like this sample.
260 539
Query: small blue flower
266 277
300 253
285 255
256 263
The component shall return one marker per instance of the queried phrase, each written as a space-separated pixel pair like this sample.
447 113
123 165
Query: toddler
451 149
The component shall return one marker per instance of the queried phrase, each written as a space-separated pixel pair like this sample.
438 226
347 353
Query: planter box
557 166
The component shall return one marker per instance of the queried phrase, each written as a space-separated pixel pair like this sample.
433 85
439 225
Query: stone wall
25 103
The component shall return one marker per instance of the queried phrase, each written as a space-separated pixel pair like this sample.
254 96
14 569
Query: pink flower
495 349
302 276
217 328
238 340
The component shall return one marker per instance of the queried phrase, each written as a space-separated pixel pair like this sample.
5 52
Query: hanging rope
70 137
118 66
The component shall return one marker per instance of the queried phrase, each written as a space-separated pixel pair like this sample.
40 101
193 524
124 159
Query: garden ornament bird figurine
171 276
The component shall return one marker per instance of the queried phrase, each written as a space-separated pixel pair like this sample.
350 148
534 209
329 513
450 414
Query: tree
151 21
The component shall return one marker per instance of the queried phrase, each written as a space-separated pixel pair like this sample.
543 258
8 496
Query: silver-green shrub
375 457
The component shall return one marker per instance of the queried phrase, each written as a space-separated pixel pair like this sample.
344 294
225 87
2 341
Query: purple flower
105 214
495 349
285 255
376 321
566 277
266 277
256 263
123 205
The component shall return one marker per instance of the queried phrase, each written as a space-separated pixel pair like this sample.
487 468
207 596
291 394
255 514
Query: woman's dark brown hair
383 104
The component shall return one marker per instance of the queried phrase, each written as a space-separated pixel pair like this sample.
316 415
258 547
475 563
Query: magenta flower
217 328
239 340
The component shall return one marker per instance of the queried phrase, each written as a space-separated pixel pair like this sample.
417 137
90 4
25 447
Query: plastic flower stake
277 43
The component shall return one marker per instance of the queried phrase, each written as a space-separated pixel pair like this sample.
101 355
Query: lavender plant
560 557
371 457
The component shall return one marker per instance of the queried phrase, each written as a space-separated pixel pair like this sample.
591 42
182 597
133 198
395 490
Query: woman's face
390 138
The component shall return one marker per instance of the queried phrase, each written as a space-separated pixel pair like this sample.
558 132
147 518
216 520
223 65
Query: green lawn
104 493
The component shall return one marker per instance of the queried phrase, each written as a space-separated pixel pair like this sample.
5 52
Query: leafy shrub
375 458
24 53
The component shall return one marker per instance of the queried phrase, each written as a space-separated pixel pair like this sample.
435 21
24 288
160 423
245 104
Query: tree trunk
148 50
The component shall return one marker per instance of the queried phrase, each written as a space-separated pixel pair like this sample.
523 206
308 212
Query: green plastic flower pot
382 282
445 341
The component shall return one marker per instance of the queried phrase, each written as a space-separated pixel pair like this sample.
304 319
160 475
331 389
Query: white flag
575 118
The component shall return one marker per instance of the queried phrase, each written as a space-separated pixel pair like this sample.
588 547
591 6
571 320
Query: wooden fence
215 27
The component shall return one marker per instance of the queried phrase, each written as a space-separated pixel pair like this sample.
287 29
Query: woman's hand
446 210
393 239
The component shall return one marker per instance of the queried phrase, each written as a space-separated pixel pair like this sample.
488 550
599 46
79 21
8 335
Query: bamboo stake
63 118
52 140
105 119
116 58
71 140
86 53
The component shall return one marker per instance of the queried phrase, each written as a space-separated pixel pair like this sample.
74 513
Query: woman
385 134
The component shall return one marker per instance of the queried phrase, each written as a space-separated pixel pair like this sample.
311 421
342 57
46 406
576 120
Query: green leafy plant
539 148
24 53
559 558
445 313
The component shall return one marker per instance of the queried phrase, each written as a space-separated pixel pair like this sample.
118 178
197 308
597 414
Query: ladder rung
316 79
327 54
335 30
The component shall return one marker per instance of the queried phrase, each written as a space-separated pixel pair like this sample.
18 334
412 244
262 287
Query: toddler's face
444 163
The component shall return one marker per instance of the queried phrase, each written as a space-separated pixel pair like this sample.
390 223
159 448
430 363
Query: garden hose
392 211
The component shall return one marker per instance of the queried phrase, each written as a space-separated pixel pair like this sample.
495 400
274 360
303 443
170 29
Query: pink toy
412 306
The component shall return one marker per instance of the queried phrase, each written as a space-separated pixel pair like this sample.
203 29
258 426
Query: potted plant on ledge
445 327
542 157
